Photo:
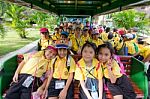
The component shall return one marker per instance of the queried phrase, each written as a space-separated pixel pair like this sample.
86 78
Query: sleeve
26 57
78 74
72 65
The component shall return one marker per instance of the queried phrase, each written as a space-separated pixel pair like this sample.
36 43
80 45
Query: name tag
93 88
94 94
28 81
59 84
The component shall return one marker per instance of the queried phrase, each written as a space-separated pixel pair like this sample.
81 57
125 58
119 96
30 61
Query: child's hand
63 94
15 78
44 95
40 91
109 64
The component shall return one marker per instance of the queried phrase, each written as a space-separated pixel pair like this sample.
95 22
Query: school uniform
84 39
97 42
34 68
83 72
145 51
119 47
130 46
122 86
43 43
104 36
76 44
61 74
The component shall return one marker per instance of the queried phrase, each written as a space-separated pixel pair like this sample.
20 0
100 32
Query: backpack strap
98 66
80 69
54 64
68 62
117 59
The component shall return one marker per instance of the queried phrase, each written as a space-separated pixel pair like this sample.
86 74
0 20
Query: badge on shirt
66 73
59 84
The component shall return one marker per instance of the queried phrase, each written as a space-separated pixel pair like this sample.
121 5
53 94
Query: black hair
65 35
89 44
110 35
107 29
114 29
106 45
140 41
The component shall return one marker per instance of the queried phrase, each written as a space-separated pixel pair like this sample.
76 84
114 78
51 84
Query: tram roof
80 7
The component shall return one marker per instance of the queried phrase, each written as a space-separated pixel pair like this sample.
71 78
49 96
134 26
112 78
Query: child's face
44 35
62 52
88 54
49 54
104 55
63 37
95 37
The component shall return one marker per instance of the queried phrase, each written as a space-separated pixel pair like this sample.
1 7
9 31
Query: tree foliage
2 31
22 17
130 19
2 10
44 19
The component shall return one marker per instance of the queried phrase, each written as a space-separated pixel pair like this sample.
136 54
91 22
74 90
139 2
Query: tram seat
126 60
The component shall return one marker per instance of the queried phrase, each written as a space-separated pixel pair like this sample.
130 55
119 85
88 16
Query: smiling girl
88 73
61 85
118 83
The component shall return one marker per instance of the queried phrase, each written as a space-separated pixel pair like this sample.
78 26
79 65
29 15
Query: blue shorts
52 92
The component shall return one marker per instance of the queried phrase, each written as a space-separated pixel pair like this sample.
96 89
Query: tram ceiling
77 7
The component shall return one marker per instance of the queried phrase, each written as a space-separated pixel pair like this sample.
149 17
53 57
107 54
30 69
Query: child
60 84
45 39
117 83
88 73
27 76
95 39
76 40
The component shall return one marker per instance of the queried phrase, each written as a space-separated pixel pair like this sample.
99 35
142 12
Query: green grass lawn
13 42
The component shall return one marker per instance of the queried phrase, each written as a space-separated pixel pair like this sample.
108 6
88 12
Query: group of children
124 42
51 73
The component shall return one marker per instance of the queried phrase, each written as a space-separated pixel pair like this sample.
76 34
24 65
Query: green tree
44 19
2 11
129 19
19 19
2 31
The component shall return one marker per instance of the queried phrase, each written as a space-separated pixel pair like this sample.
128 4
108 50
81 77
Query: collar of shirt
62 59
82 62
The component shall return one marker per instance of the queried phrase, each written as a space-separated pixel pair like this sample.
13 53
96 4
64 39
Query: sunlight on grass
13 42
